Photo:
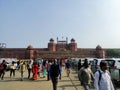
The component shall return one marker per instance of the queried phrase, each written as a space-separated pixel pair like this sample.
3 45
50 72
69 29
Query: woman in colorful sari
44 68
35 69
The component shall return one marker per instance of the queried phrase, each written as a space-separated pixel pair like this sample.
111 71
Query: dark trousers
12 71
29 72
48 75
86 86
2 73
60 72
54 82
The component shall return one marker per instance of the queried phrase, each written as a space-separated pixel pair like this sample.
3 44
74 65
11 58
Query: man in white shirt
102 78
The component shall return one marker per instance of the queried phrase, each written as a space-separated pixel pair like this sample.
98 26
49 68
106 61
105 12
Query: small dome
72 39
51 39
30 47
98 47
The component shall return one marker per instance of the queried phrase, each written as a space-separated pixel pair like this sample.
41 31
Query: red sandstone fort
60 49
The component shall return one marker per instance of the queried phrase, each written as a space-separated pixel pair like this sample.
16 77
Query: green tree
113 53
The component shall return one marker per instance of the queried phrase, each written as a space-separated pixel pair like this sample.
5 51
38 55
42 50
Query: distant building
62 45
60 49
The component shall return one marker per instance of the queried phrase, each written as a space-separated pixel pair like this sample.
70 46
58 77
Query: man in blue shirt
67 67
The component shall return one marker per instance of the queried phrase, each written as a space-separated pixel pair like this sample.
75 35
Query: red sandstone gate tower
51 45
62 45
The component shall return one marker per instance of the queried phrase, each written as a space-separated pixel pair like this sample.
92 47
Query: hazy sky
34 22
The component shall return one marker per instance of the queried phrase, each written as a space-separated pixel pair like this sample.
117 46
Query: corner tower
51 45
30 52
73 45
100 53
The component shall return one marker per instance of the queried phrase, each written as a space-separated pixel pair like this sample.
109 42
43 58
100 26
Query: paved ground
14 83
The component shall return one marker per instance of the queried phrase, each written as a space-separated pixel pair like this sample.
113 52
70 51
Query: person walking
3 67
35 69
85 75
79 64
44 69
60 66
67 67
54 74
29 68
23 68
48 69
12 69
102 78
18 64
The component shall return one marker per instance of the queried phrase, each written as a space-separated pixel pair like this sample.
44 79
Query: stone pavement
14 83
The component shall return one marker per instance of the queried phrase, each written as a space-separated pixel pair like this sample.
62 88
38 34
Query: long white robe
105 82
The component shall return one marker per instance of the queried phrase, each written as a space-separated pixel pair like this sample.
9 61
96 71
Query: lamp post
2 49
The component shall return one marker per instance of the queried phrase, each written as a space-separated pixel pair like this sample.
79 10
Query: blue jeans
60 72
48 75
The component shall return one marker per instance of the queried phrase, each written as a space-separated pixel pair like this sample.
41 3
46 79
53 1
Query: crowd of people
49 69
52 70
101 79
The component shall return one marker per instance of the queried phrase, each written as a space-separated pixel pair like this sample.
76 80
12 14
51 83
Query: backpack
1 67
100 76
55 70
